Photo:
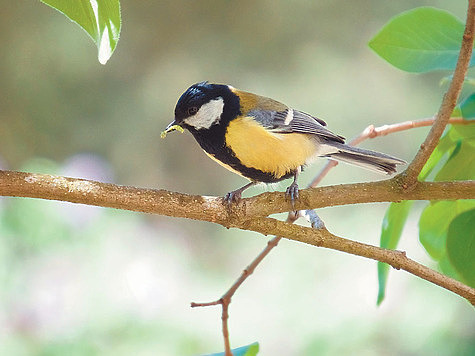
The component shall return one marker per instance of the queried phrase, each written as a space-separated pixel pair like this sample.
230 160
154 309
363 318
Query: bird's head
201 106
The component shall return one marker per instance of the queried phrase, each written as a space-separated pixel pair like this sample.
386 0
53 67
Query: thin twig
225 300
448 103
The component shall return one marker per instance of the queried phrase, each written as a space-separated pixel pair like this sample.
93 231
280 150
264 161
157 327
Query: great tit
262 139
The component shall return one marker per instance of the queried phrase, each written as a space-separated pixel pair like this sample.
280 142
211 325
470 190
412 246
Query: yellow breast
269 152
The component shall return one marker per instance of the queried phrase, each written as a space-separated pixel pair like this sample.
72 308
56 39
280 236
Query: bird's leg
293 190
235 195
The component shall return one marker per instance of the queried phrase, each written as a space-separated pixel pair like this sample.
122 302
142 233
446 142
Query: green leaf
434 223
446 267
461 245
445 145
252 350
467 107
393 223
461 163
463 132
99 18
457 112
453 159
420 40
457 140
249 350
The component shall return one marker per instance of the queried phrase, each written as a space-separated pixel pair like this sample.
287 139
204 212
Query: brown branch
212 210
391 190
246 215
323 238
397 259
448 103
163 202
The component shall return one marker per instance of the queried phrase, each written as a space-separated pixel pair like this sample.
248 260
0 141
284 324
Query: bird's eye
192 110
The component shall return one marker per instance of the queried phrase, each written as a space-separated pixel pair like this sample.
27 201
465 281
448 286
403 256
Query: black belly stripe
212 142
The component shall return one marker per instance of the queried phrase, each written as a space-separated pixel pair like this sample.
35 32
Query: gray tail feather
375 161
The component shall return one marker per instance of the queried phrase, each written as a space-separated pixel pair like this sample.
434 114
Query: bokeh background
77 280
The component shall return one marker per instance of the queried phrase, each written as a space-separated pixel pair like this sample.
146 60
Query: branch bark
163 202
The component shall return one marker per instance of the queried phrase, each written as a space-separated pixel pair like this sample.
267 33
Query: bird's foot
233 197
293 193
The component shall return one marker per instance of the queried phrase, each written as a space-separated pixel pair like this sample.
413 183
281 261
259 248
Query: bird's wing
294 121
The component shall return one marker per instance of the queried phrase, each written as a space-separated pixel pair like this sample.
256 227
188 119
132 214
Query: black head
203 105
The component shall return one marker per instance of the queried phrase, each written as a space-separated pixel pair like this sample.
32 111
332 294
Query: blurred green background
79 280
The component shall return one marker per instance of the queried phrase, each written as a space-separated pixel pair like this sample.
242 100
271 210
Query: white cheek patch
209 114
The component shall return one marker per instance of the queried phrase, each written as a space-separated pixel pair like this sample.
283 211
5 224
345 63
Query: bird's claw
293 192
232 197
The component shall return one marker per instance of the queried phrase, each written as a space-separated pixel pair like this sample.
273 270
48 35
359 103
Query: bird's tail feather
375 161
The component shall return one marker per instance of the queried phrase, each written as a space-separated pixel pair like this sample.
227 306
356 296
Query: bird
262 139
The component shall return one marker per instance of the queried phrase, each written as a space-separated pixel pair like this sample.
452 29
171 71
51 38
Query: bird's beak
172 126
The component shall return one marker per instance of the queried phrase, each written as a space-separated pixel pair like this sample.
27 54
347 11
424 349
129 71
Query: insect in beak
172 126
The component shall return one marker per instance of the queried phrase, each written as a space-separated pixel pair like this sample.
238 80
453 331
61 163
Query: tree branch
448 103
163 202
211 209
397 259
391 190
